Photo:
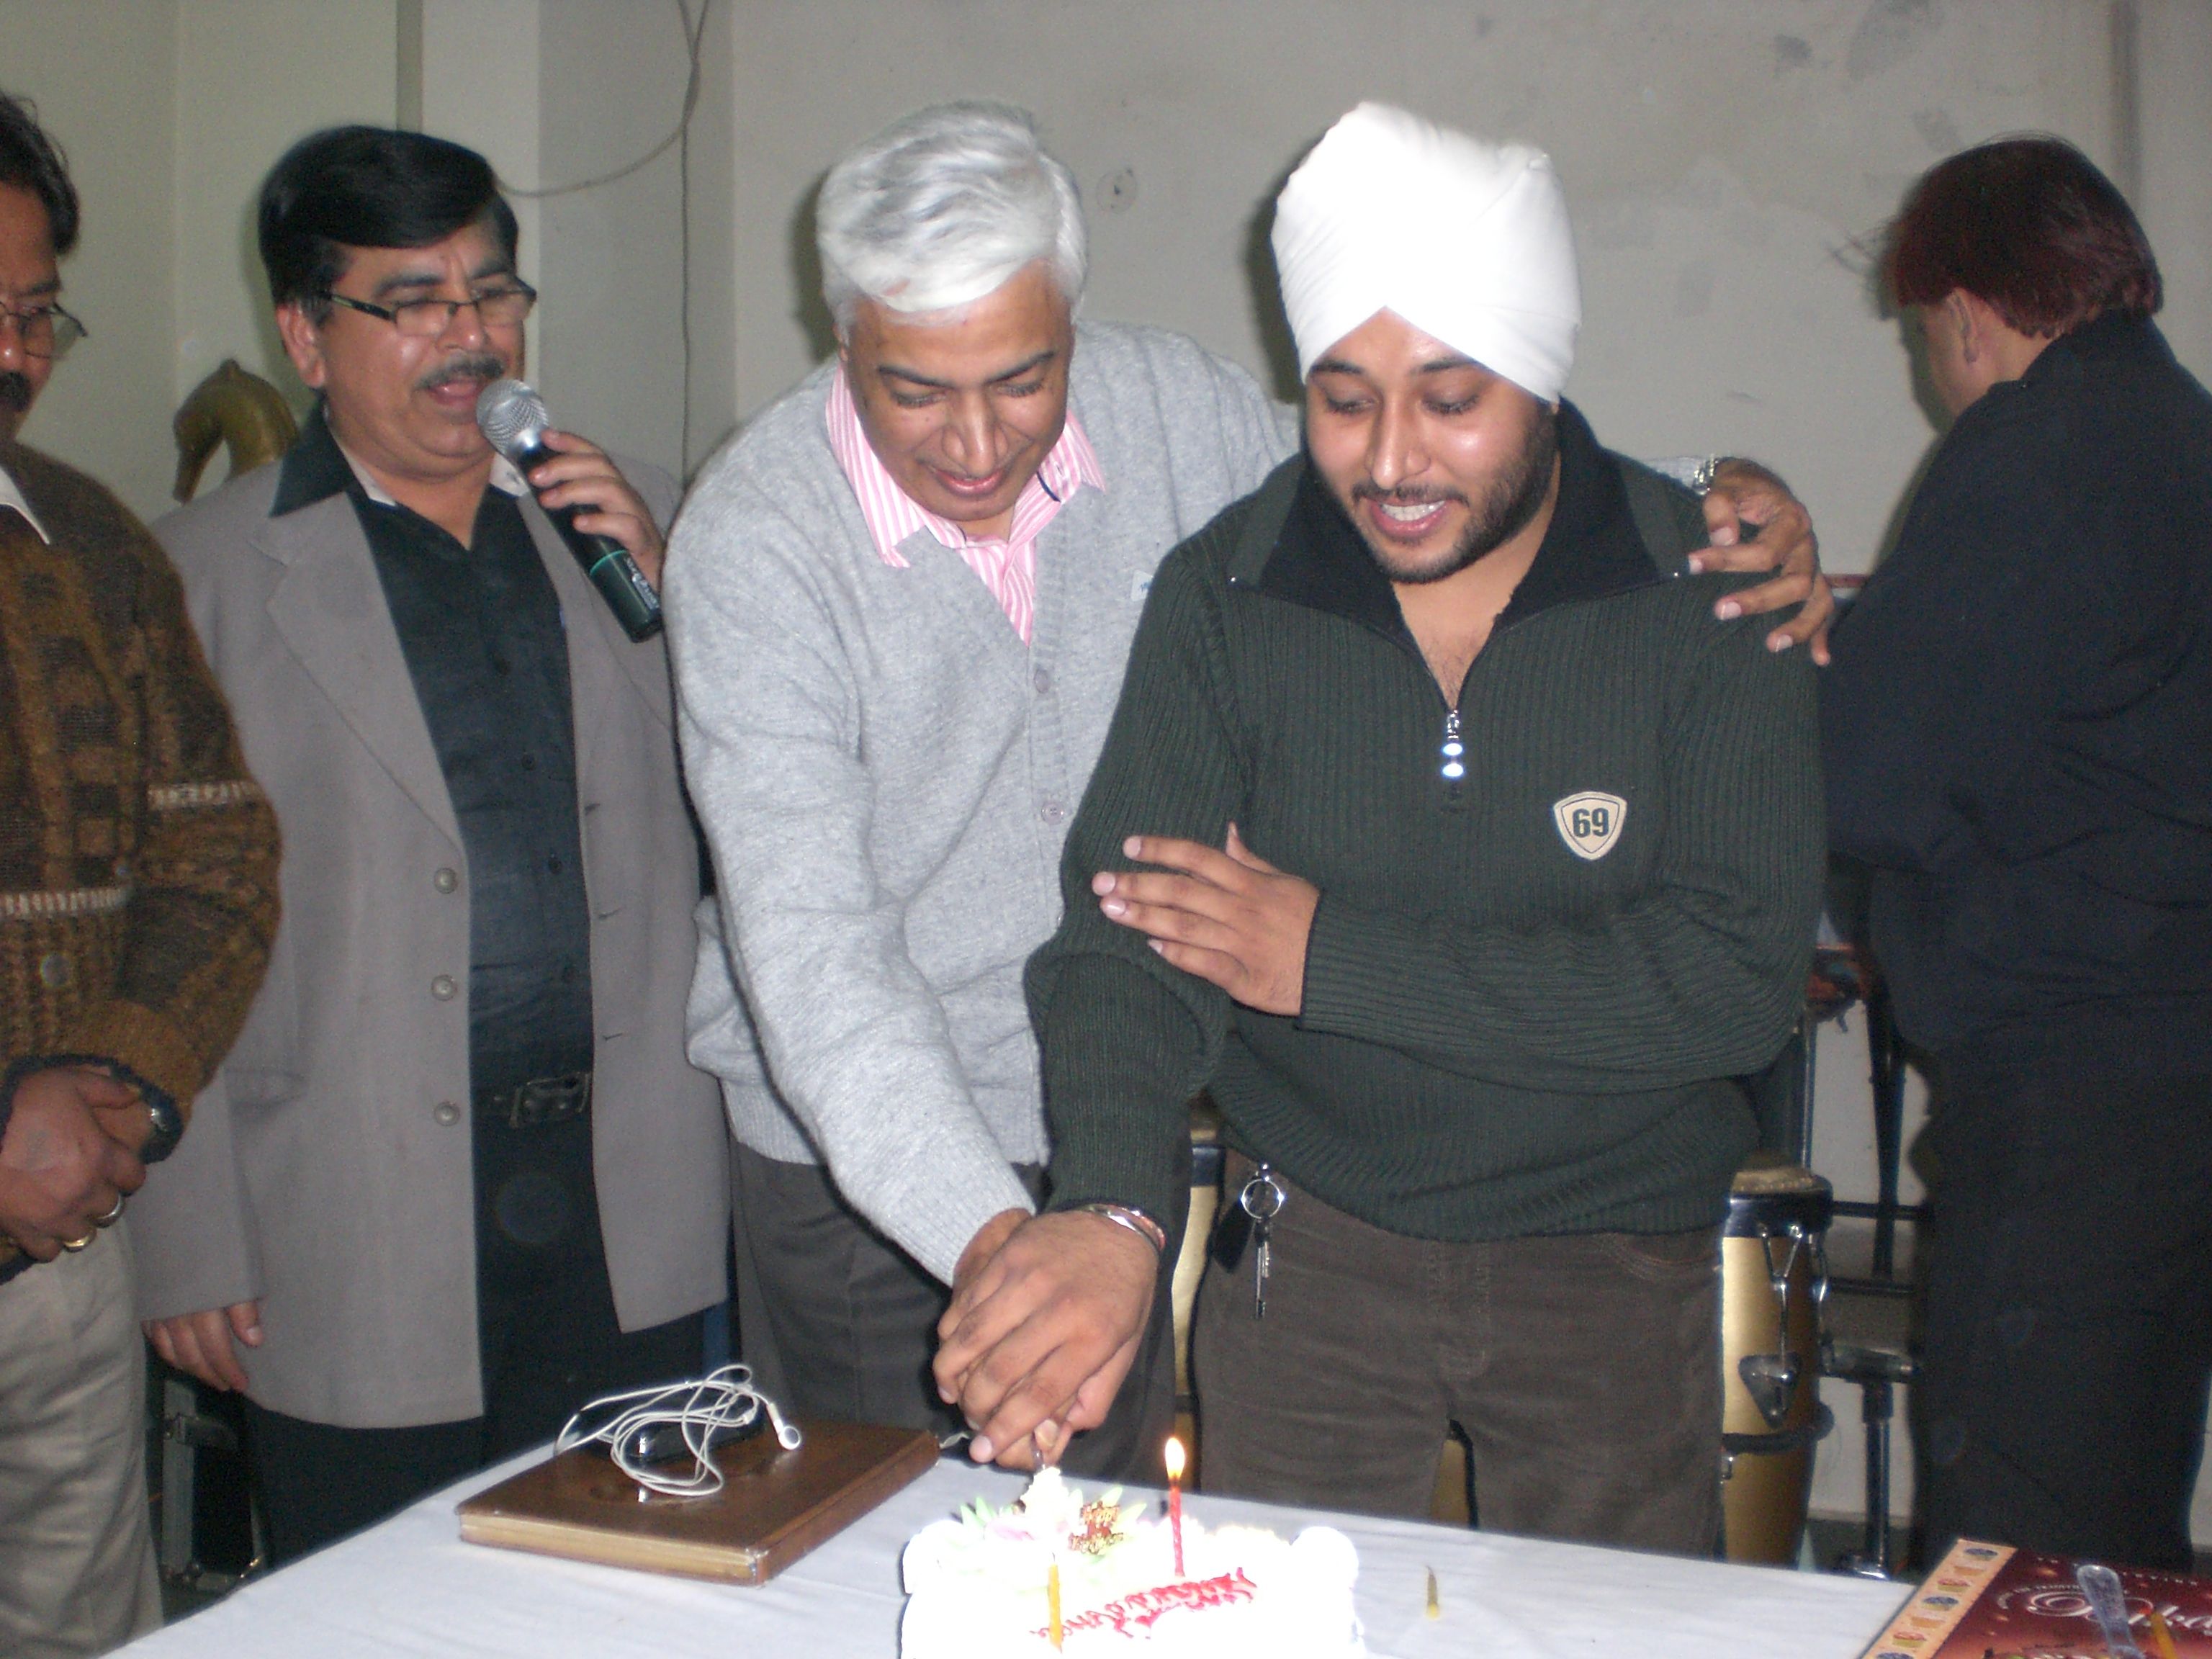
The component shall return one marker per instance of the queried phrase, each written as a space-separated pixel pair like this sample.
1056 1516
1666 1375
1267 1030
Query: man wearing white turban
899 604
1494 273
1556 843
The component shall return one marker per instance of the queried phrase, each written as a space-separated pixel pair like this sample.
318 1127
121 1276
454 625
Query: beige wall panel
104 77
172 113
2174 59
254 77
1722 158
610 350
480 88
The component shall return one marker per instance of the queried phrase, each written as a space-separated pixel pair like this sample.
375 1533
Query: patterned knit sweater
137 859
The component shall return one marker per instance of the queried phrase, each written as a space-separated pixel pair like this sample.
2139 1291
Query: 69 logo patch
1589 822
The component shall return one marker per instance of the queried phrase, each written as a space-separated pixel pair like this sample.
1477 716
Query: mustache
468 366
16 391
1402 496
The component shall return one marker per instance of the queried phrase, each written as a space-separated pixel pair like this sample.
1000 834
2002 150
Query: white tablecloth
410 1586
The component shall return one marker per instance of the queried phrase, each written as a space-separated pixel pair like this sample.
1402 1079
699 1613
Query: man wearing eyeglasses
458 1179
138 898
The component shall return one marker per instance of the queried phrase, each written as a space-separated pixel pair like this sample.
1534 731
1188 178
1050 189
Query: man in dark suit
2028 774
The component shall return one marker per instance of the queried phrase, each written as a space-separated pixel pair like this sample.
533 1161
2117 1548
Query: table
411 1586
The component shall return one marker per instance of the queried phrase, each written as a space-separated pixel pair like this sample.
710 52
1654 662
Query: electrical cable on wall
683 227
679 137
692 36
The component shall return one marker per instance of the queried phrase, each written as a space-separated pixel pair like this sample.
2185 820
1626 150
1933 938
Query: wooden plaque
774 1507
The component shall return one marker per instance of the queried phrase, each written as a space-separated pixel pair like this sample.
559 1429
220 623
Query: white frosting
976 1587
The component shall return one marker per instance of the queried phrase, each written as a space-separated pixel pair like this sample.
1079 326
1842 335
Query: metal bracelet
1123 1215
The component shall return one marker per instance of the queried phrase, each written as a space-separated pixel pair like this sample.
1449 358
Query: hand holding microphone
513 417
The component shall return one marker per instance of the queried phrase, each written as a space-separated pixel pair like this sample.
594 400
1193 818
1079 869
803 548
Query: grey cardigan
885 776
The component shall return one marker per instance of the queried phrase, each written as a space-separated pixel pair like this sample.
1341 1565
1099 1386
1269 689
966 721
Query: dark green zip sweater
1526 990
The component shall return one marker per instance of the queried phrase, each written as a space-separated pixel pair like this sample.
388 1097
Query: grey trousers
838 1323
1584 1369
76 1547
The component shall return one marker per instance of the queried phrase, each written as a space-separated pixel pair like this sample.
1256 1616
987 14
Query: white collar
11 495
504 479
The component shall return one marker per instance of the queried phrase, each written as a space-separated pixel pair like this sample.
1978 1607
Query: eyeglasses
45 330
425 319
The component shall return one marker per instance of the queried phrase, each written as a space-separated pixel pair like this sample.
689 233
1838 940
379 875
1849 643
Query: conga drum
1773 1279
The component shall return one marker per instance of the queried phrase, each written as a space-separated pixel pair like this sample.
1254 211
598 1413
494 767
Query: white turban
1467 241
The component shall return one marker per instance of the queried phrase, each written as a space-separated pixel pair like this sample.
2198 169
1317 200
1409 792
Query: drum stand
1877 1371
1886 1070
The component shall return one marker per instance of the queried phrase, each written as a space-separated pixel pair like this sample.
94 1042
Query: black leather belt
540 1101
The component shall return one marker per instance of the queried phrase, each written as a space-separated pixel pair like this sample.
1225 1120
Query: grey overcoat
327 1170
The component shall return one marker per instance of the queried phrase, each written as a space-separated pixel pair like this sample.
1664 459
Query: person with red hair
2017 729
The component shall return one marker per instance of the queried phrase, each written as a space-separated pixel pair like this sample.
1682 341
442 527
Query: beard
1501 512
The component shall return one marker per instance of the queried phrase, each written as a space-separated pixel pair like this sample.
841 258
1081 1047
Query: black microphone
513 417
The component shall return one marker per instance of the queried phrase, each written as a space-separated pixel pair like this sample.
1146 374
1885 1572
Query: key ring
1263 1196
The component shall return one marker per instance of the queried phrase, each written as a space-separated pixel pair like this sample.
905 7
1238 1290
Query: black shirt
482 632
2018 726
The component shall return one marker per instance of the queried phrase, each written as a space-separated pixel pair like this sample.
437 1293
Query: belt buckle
548 1100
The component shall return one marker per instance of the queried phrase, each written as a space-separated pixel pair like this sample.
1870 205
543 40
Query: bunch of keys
1254 1217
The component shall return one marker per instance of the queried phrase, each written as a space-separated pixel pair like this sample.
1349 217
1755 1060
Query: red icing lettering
1134 1615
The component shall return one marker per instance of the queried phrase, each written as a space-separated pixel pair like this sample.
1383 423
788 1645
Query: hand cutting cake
981 1587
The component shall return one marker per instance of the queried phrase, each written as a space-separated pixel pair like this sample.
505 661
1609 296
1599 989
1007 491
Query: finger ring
113 1215
76 1244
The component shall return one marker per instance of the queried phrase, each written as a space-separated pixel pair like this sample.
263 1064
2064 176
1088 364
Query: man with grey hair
900 603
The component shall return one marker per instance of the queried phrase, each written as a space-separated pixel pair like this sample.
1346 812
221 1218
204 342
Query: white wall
104 78
1723 159
308 65
2174 63
560 91
171 111
479 64
618 288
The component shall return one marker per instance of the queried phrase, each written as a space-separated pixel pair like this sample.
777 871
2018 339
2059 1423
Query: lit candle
1174 1498
1052 1606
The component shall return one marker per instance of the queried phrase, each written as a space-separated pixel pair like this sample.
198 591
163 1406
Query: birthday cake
984 1586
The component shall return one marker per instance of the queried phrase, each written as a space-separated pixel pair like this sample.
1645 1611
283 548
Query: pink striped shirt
1007 564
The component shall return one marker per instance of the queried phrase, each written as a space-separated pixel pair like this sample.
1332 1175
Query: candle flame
1175 1458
